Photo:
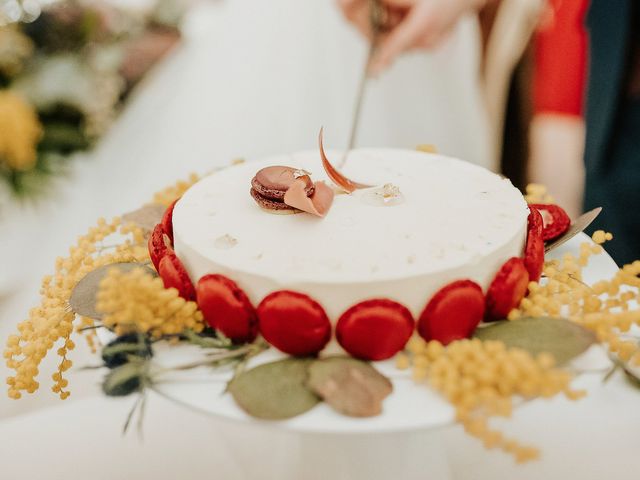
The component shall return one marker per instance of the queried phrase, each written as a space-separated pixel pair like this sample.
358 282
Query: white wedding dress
267 74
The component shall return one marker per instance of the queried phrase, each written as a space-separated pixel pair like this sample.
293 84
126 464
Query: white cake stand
404 442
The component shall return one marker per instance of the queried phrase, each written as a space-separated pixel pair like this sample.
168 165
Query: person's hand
409 24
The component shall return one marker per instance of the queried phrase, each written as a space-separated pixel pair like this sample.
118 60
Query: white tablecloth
593 439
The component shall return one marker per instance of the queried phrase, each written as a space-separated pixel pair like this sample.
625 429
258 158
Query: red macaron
507 289
174 275
375 329
294 323
534 248
453 313
227 308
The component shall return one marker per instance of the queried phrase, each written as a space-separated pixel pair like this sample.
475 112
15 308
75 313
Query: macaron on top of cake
270 184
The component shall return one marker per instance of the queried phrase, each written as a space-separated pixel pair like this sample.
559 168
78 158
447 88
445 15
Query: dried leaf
83 296
578 225
350 386
275 391
336 177
146 217
562 338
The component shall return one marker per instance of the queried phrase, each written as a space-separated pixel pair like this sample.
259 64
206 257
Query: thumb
399 3
401 39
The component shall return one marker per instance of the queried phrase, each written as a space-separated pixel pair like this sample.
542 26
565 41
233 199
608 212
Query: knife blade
377 15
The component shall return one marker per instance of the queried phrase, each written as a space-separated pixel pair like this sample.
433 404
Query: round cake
426 221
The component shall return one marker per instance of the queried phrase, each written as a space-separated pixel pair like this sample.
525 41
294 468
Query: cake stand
404 442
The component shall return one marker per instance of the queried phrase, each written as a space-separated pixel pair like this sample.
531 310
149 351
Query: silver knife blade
577 226
376 18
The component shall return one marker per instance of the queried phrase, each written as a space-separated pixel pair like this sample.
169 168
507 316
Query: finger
361 21
347 5
352 9
394 17
357 13
430 40
404 37
399 3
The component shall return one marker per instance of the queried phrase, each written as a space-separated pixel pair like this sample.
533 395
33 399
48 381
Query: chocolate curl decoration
317 204
336 177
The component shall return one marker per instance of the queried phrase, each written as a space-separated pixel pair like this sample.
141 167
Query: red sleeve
561 59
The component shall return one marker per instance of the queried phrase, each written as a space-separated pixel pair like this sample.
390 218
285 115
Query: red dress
561 59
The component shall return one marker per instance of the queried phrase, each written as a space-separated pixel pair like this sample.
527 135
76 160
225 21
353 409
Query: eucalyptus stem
92 327
131 413
241 354
142 410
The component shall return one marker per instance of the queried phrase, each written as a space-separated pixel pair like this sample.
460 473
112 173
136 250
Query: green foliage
561 338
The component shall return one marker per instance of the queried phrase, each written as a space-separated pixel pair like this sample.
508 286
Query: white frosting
455 221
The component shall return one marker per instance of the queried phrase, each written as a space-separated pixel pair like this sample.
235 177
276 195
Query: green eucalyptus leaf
562 338
83 296
275 391
124 380
122 349
63 137
146 217
350 386
632 378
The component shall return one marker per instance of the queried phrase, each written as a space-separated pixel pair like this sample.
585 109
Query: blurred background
104 103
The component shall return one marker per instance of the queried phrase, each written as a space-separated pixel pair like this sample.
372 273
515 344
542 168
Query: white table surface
593 439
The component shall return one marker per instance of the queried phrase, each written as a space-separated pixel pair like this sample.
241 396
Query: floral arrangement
65 73
496 349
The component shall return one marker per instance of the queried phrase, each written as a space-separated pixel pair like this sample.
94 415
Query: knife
377 15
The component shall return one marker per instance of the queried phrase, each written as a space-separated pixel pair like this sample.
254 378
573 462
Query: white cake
453 221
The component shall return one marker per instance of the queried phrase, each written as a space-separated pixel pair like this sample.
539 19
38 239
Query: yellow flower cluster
134 244
480 379
536 193
52 320
136 301
20 131
427 148
604 307
170 194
